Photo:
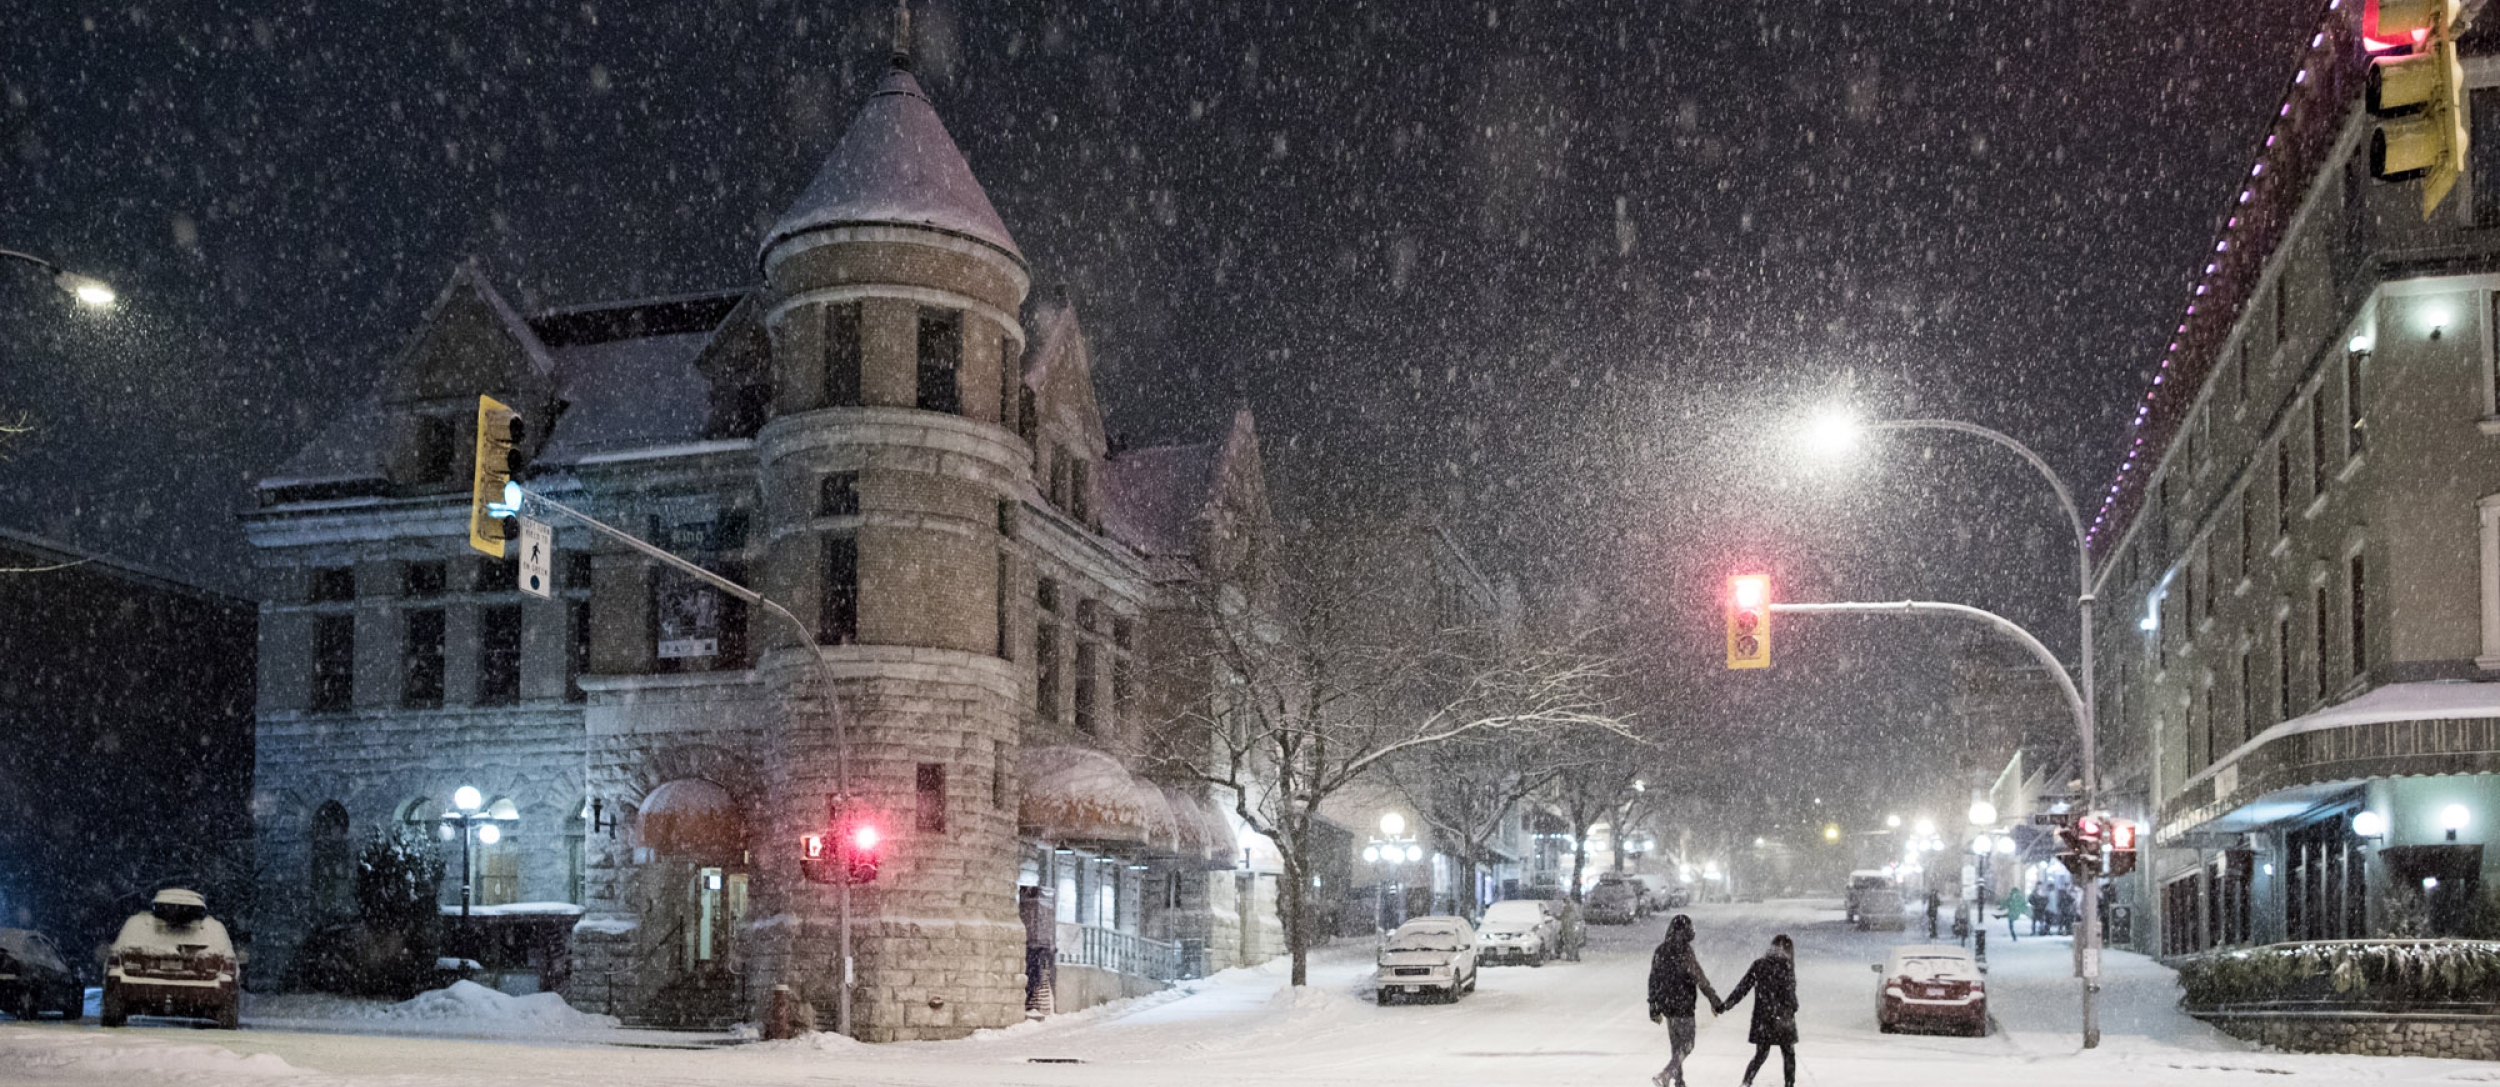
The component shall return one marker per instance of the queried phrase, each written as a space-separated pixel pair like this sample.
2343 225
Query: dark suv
35 979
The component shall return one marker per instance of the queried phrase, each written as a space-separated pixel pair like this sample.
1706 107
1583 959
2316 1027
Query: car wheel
74 1008
112 1014
1381 998
1537 959
230 1017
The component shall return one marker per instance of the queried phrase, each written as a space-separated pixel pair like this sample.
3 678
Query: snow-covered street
1575 1023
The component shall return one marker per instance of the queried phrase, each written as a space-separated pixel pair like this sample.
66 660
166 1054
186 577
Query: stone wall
2376 1034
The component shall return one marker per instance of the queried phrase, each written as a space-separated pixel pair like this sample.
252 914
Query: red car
1931 987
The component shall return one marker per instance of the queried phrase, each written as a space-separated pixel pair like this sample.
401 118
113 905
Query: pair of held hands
1716 1009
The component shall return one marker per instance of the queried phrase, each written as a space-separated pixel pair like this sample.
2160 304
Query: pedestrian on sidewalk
1041 952
1772 979
1674 978
2016 907
2042 920
2067 909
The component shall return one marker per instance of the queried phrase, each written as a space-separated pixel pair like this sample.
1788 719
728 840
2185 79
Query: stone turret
889 473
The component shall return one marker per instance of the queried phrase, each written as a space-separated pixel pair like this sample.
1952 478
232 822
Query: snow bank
46 1055
468 1002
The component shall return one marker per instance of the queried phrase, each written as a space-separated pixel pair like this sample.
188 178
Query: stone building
2300 561
890 439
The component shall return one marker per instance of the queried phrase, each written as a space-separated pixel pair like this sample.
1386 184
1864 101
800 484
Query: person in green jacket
2016 908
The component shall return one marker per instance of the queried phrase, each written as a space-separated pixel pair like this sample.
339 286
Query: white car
172 960
1428 955
1931 986
1520 930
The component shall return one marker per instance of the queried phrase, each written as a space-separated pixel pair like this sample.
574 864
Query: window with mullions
422 579
421 660
499 655
941 357
2324 621
2483 153
2357 597
838 495
332 584
842 355
837 621
334 662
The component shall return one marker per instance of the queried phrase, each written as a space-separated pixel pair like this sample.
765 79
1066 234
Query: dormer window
435 449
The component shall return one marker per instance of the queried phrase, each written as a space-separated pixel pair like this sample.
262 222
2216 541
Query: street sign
538 557
2053 819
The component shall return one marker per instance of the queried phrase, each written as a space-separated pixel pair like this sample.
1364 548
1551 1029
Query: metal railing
1119 952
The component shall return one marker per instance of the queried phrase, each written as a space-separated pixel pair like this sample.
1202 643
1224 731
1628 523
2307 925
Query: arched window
332 870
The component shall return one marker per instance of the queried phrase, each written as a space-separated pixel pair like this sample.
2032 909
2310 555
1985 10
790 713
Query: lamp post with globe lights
1836 432
1391 849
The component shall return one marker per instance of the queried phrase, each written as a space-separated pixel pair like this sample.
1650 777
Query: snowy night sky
1561 271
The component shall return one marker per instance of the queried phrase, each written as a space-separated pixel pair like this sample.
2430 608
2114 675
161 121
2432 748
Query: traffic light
2418 95
494 499
860 853
1749 621
2121 848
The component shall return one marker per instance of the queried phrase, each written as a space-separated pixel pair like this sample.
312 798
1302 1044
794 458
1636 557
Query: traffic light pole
2086 703
833 703
2086 935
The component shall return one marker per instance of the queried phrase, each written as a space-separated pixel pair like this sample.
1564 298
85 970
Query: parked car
1613 901
172 960
1520 930
1931 986
1428 955
1860 882
1657 894
35 978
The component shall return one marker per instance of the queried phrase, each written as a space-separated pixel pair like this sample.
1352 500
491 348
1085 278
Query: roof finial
902 34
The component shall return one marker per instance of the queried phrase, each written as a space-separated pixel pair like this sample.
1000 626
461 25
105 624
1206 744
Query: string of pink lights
2137 450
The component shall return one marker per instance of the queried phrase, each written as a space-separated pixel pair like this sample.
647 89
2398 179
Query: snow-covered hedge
2376 974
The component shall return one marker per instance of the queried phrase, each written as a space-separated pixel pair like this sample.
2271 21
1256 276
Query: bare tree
1595 788
1317 693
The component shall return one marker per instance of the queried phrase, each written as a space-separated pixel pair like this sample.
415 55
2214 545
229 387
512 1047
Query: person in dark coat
1675 978
2040 903
2067 909
1772 979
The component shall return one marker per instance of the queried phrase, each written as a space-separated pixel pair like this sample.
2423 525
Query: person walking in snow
1674 978
2041 904
2067 908
1772 979
2016 907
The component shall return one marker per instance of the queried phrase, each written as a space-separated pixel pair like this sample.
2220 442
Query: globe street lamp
90 292
1391 848
465 814
1838 431
1983 814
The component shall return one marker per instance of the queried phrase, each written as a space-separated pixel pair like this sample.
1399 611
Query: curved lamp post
90 292
1836 432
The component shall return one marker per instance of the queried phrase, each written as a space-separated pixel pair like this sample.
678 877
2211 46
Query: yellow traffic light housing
1749 621
2418 97
494 507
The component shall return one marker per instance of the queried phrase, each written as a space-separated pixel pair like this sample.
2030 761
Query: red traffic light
1749 621
864 837
2088 829
2121 835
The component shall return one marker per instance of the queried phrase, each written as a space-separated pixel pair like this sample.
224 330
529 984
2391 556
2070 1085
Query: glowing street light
1983 814
2453 819
1893 822
1831 832
90 292
1834 432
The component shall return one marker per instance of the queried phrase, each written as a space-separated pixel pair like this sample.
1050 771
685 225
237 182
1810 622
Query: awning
1204 830
2397 730
691 818
1078 794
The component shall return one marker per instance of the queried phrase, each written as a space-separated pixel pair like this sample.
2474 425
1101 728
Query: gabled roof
896 165
1153 499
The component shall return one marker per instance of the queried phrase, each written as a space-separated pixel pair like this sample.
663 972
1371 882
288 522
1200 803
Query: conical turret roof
897 166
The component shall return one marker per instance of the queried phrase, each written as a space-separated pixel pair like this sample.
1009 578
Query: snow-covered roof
629 394
1153 498
896 165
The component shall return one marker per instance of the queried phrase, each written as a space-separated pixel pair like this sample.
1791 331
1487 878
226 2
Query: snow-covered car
1519 930
1931 986
35 978
172 960
1613 901
1656 893
1435 955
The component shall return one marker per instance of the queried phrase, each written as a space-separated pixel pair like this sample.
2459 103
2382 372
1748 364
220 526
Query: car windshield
1426 939
1514 913
1935 967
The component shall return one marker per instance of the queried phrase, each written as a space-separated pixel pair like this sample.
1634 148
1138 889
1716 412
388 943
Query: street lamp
2453 819
1892 822
464 813
1983 814
90 292
1391 848
1834 432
